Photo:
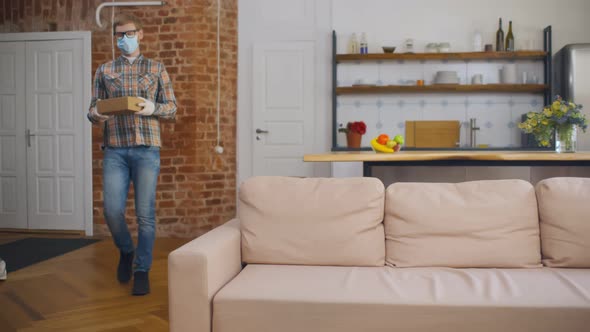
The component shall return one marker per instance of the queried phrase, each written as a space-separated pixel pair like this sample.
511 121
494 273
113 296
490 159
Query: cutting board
432 134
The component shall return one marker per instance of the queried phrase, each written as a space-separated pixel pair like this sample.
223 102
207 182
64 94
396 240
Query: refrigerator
571 80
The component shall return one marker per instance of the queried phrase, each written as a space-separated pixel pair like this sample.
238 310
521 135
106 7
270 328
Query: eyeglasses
129 34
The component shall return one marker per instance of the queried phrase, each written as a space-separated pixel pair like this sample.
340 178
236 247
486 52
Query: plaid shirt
144 78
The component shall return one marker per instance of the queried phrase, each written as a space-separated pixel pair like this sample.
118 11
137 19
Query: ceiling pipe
120 4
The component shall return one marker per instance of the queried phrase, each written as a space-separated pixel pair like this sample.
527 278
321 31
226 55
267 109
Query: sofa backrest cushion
476 224
564 213
312 221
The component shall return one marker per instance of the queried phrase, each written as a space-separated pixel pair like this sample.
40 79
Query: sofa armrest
197 271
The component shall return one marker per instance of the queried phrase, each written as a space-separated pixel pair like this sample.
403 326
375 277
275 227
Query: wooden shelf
507 88
520 55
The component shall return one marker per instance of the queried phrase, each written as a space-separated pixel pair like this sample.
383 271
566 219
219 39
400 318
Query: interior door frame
86 37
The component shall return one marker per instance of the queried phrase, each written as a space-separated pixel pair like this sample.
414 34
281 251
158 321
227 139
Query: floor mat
25 252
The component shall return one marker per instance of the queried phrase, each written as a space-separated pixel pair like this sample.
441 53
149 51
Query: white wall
392 21
388 22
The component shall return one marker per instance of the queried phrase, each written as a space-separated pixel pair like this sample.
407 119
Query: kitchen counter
454 158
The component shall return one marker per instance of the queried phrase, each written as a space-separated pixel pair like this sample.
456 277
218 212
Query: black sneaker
141 283
125 267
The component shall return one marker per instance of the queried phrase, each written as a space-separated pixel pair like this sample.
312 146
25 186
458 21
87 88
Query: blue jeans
142 166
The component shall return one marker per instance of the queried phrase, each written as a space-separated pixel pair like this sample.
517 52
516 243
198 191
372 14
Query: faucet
472 128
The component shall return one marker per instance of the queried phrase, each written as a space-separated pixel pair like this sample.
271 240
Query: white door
54 146
284 57
283 104
13 183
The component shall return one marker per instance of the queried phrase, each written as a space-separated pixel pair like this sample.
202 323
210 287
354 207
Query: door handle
29 137
260 131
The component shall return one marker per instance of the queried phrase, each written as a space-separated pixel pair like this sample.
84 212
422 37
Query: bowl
446 77
388 49
444 47
446 73
431 48
377 151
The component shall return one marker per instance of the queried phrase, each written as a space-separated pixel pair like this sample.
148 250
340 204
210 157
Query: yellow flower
547 111
545 122
545 143
556 105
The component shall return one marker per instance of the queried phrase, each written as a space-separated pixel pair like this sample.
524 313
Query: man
132 146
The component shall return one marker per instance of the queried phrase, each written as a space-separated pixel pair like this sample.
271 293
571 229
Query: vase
565 138
353 140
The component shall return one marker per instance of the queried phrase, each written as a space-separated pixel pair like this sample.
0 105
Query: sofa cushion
564 212
470 224
342 299
312 221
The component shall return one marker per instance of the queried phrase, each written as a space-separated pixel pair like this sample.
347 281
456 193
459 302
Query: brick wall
196 188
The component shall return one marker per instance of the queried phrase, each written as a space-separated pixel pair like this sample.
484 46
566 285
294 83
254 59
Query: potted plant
354 133
561 118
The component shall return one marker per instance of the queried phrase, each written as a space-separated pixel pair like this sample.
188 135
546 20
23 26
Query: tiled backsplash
497 114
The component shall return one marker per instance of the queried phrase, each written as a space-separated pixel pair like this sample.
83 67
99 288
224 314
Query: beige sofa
320 254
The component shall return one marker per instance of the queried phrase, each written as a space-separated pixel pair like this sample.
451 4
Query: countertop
447 155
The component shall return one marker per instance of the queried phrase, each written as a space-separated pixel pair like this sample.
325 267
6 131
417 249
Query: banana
380 147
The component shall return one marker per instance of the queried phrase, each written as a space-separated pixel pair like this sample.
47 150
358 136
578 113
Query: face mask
128 45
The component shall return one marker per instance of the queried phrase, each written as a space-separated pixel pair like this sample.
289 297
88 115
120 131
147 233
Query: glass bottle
500 38
364 45
353 45
477 41
510 39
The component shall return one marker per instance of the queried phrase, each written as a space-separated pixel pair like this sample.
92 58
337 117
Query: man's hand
148 107
99 117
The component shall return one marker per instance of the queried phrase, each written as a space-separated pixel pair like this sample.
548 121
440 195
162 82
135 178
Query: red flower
356 127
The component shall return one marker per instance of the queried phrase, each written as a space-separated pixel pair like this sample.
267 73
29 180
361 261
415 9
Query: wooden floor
79 292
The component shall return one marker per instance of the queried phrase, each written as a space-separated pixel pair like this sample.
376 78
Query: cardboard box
118 106
432 134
